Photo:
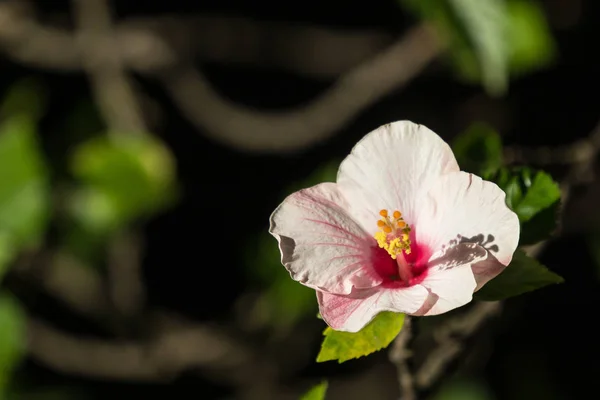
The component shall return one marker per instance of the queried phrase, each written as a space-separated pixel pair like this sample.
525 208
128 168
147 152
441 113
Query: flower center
394 234
407 265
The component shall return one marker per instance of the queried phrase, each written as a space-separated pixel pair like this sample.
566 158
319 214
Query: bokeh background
143 145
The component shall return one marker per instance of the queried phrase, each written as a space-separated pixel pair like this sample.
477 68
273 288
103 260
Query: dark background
544 345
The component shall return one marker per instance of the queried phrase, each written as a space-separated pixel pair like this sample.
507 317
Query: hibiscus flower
402 229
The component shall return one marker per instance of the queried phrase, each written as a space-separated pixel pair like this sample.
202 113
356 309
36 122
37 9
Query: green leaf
12 338
524 274
484 21
534 197
378 334
540 194
531 43
478 149
24 189
317 392
124 178
475 31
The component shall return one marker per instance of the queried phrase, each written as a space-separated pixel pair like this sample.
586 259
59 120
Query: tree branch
150 44
174 349
399 355
282 132
449 338
111 87
365 78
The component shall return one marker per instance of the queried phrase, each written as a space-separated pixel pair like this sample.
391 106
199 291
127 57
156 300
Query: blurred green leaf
524 274
476 34
27 96
317 392
12 338
485 21
123 178
535 197
378 334
478 150
488 39
24 189
530 39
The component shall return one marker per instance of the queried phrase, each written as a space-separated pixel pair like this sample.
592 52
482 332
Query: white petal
454 288
450 276
321 245
392 168
463 207
350 313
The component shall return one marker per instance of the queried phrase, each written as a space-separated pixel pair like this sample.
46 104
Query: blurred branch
251 130
579 155
365 79
114 94
399 354
127 290
449 337
111 87
573 153
78 286
160 42
173 350
582 168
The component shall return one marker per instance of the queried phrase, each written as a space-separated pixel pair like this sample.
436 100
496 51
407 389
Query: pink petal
350 313
392 168
321 245
450 276
463 207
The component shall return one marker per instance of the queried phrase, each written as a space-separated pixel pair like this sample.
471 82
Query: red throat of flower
402 263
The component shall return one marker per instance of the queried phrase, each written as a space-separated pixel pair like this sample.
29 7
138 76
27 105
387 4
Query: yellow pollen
394 235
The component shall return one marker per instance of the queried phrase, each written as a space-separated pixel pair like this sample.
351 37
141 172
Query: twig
116 99
449 337
78 286
163 358
399 355
111 87
282 132
366 79
148 44
127 290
